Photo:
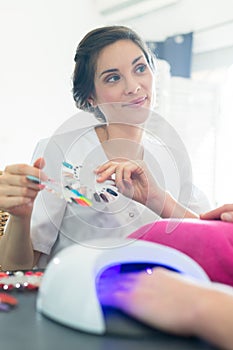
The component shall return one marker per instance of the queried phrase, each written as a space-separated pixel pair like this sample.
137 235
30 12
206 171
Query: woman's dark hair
87 55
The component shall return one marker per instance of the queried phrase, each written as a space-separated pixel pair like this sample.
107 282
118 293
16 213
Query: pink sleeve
209 243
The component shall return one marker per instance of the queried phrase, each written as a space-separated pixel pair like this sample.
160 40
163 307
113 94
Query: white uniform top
57 224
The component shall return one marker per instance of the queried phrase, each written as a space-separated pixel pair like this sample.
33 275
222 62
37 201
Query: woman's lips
136 103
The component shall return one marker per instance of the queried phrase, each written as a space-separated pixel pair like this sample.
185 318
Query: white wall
38 43
210 20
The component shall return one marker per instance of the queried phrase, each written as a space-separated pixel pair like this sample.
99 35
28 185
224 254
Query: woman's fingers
110 285
122 170
105 171
210 215
130 178
19 191
11 196
13 202
39 163
106 174
12 180
227 216
224 213
16 189
25 169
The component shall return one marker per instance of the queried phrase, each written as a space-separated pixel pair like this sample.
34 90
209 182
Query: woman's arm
16 250
134 180
17 195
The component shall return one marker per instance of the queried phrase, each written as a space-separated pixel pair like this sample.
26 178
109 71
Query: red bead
29 273
38 273
3 274
31 287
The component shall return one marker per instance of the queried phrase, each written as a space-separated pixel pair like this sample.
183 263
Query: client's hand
224 213
162 299
17 193
171 302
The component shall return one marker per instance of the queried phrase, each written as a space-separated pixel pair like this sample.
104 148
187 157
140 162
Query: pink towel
208 242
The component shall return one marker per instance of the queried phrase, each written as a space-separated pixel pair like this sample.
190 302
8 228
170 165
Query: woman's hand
17 193
133 179
224 213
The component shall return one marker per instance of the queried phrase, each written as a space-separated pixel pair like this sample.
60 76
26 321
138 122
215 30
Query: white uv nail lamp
68 292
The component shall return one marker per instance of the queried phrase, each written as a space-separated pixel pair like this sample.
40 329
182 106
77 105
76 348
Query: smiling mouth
136 103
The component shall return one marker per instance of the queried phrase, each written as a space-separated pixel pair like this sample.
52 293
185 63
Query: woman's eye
141 68
112 79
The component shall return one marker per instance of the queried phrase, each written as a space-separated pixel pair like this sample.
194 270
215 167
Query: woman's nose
132 86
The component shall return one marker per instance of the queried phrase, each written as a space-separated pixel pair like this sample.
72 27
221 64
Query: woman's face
123 75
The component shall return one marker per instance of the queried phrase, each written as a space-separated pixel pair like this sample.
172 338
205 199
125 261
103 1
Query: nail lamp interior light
68 293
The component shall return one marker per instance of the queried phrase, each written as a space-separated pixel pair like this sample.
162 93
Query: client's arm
170 302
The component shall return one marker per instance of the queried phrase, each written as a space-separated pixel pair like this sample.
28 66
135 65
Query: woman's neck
124 131
121 142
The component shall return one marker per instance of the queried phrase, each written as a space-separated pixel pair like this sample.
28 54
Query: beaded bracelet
20 281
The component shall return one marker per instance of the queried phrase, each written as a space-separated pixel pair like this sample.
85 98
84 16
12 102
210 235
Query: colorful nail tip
97 197
82 201
110 191
105 199
67 165
33 179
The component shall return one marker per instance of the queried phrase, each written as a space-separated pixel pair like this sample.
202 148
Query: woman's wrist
156 201
18 224
166 206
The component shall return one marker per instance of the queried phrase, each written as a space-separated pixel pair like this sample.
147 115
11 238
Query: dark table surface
24 328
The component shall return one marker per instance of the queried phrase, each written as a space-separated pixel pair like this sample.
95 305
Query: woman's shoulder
65 139
78 124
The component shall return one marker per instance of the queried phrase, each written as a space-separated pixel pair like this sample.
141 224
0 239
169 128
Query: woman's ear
91 101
